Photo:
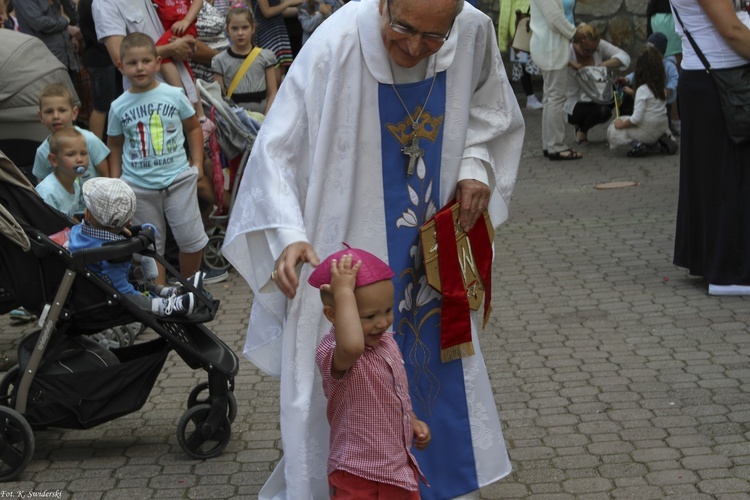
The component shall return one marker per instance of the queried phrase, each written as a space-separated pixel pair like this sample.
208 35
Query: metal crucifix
414 152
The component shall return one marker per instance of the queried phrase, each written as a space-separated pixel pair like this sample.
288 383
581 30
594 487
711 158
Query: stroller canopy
27 66
9 227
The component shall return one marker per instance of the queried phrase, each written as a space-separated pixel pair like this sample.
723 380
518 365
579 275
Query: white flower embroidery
405 304
426 293
413 196
408 219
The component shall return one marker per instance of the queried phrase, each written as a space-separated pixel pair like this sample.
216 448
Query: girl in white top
649 119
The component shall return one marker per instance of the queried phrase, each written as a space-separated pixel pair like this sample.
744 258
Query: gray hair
459 5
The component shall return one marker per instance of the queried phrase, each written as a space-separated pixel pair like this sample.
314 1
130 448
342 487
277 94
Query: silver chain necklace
412 149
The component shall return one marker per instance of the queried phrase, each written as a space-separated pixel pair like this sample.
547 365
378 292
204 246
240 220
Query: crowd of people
563 54
390 116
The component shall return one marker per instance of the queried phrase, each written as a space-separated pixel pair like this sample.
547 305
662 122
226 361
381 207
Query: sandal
565 155
581 137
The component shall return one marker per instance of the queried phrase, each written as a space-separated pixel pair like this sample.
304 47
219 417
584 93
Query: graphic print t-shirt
153 152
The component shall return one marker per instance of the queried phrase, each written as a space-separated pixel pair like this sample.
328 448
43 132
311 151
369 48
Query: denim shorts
104 84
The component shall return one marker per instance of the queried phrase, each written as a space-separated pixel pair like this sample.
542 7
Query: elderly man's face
415 29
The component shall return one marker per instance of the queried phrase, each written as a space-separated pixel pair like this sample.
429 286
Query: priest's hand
285 274
475 198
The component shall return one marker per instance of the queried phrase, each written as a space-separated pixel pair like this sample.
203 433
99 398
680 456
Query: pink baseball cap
372 269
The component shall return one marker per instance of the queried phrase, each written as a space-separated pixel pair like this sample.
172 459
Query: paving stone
595 484
615 374
724 486
671 477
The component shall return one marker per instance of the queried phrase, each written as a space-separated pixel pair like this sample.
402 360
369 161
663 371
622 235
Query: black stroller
66 380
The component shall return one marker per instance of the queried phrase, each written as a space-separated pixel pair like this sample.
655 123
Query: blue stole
437 389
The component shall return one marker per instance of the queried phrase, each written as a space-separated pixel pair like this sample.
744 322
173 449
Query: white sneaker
533 103
676 127
728 290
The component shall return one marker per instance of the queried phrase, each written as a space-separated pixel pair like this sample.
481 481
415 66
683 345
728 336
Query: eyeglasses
404 30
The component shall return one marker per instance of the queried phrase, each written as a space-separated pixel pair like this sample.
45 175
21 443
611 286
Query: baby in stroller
63 379
110 205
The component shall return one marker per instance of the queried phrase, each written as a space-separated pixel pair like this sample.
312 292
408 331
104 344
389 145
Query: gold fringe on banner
457 351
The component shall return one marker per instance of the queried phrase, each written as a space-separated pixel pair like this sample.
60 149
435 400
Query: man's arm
285 273
31 12
203 53
113 47
475 198
178 49
494 140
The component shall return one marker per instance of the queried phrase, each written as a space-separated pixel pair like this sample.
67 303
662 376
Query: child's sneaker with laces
175 306
214 275
196 280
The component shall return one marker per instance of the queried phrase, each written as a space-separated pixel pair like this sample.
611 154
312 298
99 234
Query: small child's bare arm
115 144
422 436
179 27
350 340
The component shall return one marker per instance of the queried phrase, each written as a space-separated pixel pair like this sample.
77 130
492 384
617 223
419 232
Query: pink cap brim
372 269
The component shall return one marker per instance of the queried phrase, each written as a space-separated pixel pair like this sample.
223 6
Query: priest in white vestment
392 109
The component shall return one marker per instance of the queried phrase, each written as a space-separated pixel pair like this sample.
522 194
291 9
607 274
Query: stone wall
622 22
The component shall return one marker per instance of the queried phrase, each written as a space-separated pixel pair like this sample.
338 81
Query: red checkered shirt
369 410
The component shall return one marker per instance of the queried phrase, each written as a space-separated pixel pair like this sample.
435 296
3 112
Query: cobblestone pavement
615 374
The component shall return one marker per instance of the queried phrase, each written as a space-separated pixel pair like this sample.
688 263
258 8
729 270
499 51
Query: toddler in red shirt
178 18
369 409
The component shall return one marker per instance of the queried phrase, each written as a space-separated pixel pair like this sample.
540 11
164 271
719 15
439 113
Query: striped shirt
369 410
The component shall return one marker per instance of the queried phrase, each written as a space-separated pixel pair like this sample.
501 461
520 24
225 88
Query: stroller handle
115 251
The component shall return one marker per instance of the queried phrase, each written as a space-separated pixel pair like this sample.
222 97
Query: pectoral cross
413 152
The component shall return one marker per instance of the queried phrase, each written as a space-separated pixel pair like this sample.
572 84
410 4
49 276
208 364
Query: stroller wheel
212 256
195 399
136 329
8 385
117 336
195 436
16 443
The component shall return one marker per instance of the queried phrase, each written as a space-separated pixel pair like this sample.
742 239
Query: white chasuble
327 167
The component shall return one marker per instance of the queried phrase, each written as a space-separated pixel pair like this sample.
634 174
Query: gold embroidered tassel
457 351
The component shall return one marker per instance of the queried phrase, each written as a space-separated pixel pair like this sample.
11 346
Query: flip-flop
565 155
